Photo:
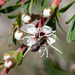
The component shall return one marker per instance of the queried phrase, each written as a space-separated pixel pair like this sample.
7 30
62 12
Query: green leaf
30 7
7 1
11 53
18 1
60 26
58 14
10 9
71 32
25 5
70 19
52 70
1 63
35 2
18 20
12 16
43 4
62 10
52 23
19 57
11 38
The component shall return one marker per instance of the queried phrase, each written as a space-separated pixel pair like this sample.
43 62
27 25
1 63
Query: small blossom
47 12
18 35
34 34
8 63
2 2
26 18
6 56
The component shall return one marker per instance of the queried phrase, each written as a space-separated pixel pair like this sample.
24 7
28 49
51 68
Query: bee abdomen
35 47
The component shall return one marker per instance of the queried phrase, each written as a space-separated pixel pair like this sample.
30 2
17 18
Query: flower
26 18
34 36
47 12
18 35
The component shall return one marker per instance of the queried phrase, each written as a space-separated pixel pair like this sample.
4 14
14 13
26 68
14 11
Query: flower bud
47 12
18 35
9 63
26 18
2 2
6 56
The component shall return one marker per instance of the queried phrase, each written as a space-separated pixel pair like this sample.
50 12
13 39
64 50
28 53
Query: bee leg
27 51
43 53
46 52
54 47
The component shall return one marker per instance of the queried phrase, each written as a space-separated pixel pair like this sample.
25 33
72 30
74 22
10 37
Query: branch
56 2
22 49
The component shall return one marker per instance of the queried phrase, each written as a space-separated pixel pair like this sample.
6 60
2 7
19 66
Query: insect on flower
38 38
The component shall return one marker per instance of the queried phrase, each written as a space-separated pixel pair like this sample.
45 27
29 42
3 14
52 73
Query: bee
35 47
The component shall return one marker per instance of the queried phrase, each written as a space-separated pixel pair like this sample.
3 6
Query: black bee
39 43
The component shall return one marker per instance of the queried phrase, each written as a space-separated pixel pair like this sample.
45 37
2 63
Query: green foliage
52 23
11 38
30 7
71 32
62 10
18 20
19 57
70 19
52 70
12 16
10 9
7 1
18 1
60 26
1 63
25 6
58 14
11 53
35 2
43 4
